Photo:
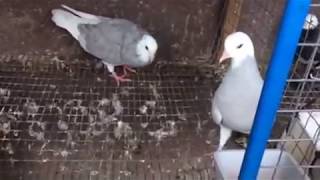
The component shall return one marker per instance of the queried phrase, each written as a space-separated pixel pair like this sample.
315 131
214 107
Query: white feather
70 22
81 14
66 21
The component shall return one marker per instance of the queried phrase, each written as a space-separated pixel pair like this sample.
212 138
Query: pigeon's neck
240 61
243 68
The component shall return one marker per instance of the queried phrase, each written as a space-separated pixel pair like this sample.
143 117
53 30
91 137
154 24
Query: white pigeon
235 101
115 41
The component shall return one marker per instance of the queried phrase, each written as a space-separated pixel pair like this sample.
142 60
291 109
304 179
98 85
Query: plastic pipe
273 88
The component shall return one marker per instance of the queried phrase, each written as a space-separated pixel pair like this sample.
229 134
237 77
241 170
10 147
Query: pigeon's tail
80 14
67 20
70 21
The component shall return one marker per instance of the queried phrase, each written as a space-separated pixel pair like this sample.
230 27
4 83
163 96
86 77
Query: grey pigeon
235 101
115 41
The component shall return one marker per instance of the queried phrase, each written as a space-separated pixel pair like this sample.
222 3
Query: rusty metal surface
184 28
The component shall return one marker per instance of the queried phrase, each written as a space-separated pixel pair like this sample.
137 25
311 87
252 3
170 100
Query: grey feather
112 40
116 41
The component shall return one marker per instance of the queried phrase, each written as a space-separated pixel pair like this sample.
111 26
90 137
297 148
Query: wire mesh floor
63 119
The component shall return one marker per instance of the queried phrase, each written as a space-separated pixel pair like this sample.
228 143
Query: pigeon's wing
129 50
216 114
238 95
84 14
106 39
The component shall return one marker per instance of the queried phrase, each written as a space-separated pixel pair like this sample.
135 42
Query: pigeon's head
237 46
311 22
147 48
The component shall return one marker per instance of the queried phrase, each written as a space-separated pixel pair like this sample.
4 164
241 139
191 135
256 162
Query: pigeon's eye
239 46
146 47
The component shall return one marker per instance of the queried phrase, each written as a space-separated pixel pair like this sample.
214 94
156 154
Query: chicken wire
67 119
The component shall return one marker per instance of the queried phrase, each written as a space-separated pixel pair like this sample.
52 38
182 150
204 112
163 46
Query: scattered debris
94 173
5 94
172 128
125 91
36 130
108 119
64 153
118 108
182 116
133 143
8 148
58 62
211 136
84 110
151 104
62 125
42 147
30 107
92 118
169 130
97 130
104 102
199 127
143 109
87 131
70 141
123 129
5 122
144 125
126 173
52 86
77 93
154 91
148 104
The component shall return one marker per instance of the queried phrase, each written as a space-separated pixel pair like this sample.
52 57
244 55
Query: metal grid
301 104
66 119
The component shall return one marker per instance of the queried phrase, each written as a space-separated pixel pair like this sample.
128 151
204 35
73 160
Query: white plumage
70 22
235 101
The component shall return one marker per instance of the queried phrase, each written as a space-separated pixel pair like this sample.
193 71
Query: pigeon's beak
224 56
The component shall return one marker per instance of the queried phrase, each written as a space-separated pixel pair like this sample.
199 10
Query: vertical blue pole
277 73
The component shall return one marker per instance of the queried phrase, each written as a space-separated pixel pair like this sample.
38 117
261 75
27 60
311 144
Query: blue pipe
273 88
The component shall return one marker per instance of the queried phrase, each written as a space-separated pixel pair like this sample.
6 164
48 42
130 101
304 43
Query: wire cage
301 100
61 117
295 153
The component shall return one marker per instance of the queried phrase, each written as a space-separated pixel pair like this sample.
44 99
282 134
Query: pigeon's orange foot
126 67
120 78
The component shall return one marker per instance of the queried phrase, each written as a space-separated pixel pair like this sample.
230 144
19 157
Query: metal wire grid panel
68 120
301 103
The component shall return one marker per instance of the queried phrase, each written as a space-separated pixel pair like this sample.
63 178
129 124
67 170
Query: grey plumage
122 37
236 99
115 41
